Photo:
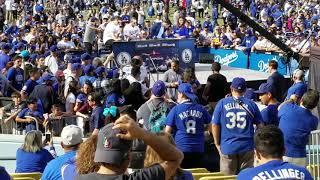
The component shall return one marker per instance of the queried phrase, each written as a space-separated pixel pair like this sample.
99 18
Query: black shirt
278 82
216 87
155 172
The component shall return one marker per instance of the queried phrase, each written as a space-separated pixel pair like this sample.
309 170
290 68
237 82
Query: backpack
157 118
150 11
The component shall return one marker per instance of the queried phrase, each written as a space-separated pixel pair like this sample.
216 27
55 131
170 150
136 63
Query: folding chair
232 177
197 176
26 176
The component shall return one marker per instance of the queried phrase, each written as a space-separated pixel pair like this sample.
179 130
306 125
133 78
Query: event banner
230 57
259 62
156 52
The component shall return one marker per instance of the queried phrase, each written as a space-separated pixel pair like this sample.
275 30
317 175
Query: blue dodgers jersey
188 120
296 123
236 124
275 169
298 89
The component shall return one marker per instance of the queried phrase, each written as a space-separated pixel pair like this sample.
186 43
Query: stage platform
253 78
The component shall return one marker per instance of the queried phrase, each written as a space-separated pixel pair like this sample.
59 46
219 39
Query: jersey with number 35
236 124
188 120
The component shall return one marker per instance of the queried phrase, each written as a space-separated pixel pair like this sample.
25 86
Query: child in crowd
29 115
54 121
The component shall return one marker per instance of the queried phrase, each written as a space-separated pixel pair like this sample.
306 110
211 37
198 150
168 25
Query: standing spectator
296 123
296 91
233 127
30 83
111 31
71 102
4 85
215 88
269 148
52 60
113 149
90 34
187 120
270 113
131 30
276 80
76 71
87 75
4 57
15 75
44 92
71 138
171 78
155 110
96 120
115 97
180 30
31 156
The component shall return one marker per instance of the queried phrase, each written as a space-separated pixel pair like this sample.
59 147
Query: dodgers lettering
193 113
280 174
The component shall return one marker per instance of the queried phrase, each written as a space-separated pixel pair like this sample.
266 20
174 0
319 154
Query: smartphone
48 137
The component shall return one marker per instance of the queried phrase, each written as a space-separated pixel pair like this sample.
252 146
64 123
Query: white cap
71 135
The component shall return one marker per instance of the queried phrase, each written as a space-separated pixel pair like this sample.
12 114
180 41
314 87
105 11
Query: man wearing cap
52 60
270 113
233 123
113 153
15 75
298 88
4 57
74 76
88 75
296 123
96 120
188 120
71 138
86 59
276 80
157 103
44 92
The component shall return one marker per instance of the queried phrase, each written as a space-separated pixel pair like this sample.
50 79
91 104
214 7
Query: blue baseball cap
75 66
110 148
74 60
186 89
6 46
87 69
81 98
159 88
47 77
250 94
53 48
265 88
239 83
99 70
85 57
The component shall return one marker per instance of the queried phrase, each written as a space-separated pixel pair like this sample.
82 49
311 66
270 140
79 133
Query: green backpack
157 118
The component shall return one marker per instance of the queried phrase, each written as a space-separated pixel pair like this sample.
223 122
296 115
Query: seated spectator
269 149
153 158
113 152
71 137
32 157
85 154
32 111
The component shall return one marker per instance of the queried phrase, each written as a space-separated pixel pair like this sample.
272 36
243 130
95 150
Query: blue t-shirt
4 59
53 169
298 89
188 120
236 124
29 86
296 124
270 115
28 112
115 99
96 119
15 76
69 170
181 31
32 162
275 169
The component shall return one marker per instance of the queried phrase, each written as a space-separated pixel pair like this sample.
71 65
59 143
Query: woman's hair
124 84
116 86
187 75
32 142
73 87
85 156
152 156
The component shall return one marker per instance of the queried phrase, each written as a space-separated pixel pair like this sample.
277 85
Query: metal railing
313 154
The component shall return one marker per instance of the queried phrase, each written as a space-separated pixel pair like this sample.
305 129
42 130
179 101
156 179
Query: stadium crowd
137 130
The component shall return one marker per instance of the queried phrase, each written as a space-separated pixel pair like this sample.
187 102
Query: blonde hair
151 156
85 156
32 142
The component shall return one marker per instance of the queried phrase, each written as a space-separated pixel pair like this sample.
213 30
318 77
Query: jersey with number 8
188 120
236 124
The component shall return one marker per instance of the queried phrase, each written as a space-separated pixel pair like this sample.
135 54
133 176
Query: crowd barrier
313 154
